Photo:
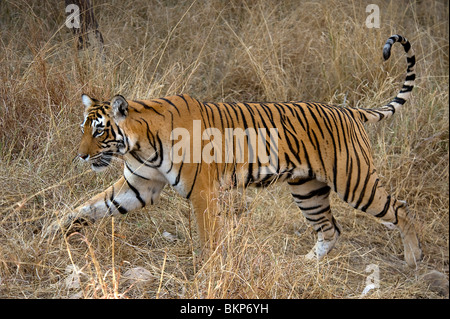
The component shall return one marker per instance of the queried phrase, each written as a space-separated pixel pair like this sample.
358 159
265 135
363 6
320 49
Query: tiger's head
102 137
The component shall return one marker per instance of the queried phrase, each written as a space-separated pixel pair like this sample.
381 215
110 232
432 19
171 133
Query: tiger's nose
83 156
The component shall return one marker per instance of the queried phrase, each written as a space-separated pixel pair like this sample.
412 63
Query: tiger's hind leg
405 222
374 199
312 197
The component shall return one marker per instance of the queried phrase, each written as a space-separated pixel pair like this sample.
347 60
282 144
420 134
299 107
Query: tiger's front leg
127 194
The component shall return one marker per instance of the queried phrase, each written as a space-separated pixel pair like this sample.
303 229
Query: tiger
317 148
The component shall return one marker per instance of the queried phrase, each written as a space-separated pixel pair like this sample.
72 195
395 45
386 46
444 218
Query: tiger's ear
120 107
87 101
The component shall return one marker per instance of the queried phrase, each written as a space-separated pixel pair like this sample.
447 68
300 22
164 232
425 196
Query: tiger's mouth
100 161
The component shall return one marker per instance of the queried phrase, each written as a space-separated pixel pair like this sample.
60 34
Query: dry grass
216 51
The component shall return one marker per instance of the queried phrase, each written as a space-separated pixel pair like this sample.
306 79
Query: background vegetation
217 51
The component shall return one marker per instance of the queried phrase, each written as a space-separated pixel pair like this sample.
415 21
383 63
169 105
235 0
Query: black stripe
336 227
411 63
310 208
264 125
105 199
136 192
308 163
251 114
184 99
349 179
315 118
229 116
391 107
170 102
220 114
319 153
121 209
177 179
298 106
269 114
372 196
406 88
407 46
396 212
148 107
193 182
399 100
385 209
320 219
317 192
134 172
323 210
212 114
295 153
159 152
363 191
299 181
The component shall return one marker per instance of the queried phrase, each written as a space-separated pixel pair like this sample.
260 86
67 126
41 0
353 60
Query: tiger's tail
386 111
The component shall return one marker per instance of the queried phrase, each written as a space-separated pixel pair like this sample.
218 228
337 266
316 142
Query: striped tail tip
387 51
386 111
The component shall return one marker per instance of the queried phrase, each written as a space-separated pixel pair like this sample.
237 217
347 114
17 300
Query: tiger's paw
413 253
66 226
321 248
